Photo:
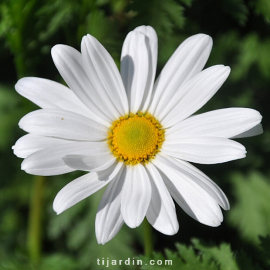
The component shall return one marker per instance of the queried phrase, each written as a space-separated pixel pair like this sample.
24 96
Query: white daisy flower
132 134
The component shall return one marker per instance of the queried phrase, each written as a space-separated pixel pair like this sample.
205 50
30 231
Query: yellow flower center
135 138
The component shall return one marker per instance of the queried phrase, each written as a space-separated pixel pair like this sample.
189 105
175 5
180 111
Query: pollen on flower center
136 138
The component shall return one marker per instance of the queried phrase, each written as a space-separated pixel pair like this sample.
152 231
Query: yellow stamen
136 138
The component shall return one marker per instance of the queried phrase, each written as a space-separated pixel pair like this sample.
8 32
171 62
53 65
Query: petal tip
172 230
85 38
24 166
56 49
101 240
56 207
17 86
204 39
228 69
131 225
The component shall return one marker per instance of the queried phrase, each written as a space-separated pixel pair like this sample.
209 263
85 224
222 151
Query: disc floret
136 138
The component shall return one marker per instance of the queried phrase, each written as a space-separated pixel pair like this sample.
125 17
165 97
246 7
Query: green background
32 236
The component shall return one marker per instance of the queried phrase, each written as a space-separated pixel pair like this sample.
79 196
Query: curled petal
109 219
29 144
49 161
83 187
190 196
96 161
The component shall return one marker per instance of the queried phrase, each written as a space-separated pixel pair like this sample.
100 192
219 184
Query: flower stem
34 241
148 238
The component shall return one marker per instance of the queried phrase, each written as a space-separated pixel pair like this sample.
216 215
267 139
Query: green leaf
245 261
6 20
237 9
265 245
186 2
186 258
252 51
262 7
201 255
60 14
164 16
223 254
250 214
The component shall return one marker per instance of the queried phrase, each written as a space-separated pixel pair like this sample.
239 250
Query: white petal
51 95
93 161
104 76
224 123
135 68
257 130
190 196
108 219
49 161
161 212
193 95
199 178
136 195
152 48
187 61
83 187
63 124
70 65
30 144
204 150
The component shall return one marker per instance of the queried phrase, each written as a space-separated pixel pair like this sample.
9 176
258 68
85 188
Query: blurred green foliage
207 256
251 212
240 30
